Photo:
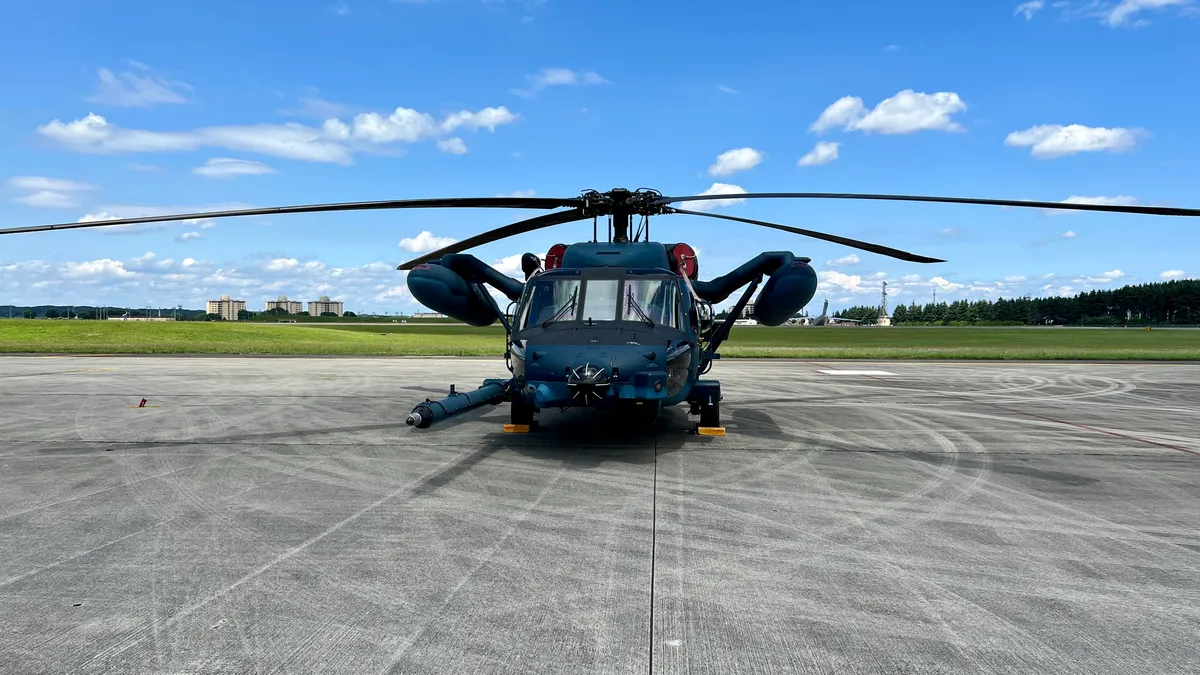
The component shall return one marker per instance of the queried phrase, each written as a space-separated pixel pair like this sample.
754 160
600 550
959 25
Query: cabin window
657 298
600 300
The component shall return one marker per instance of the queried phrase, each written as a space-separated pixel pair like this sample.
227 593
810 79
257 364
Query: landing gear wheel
521 412
710 414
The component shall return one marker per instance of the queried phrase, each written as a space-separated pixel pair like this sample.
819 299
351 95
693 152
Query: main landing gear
705 401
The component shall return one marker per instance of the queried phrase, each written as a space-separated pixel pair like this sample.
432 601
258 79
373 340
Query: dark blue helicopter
624 324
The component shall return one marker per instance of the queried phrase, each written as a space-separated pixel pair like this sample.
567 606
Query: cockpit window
557 299
600 301
551 300
655 297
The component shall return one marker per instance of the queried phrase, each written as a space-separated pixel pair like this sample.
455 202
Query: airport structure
226 307
319 307
289 306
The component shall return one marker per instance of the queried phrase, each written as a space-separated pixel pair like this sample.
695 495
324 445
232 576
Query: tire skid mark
99 660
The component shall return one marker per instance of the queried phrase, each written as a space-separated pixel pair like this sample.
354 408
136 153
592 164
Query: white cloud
96 268
509 265
840 280
48 199
718 189
1173 274
943 284
225 167
137 91
851 259
824 153
189 236
115 211
1101 278
453 146
43 183
425 242
733 161
1069 234
1119 200
1055 140
906 112
1124 11
334 142
557 77
727 90
521 193
1029 8
394 293
951 231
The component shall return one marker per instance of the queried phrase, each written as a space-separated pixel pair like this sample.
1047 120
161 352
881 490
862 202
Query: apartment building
289 306
226 307
319 307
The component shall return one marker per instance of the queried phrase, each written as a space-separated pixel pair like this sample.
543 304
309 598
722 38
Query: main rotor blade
463 202
547 220
854 243
1117 208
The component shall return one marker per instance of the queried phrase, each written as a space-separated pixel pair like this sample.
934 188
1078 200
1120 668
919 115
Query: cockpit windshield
552 299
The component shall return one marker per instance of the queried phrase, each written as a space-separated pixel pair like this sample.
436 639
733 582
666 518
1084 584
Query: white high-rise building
289 306
226 307
319 307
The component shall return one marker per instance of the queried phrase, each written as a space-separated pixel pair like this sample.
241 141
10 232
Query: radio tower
884 319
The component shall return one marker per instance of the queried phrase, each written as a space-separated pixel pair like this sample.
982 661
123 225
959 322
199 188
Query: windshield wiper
569 307
638 308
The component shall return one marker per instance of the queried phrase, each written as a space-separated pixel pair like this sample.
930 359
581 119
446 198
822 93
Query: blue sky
131 108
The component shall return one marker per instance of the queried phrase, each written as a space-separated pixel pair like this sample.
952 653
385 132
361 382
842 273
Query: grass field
111 337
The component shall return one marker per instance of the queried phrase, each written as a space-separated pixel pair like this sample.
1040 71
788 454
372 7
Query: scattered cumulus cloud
851 259
43 183
1069 234
1173 274
131 90
189 236
711 204
48 199
1048 141
1124 13
48 193
557 77
453 146
425 242
733 161
335 142
824 153
905 113
1028 9
226 167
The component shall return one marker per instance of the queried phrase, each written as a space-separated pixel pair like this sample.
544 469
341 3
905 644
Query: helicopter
625 324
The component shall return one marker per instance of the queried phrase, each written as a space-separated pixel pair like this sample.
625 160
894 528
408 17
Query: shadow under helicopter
576 439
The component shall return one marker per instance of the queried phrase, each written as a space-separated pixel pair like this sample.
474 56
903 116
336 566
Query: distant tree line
1162 303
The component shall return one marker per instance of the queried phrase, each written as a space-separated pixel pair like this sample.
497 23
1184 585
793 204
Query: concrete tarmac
277 516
